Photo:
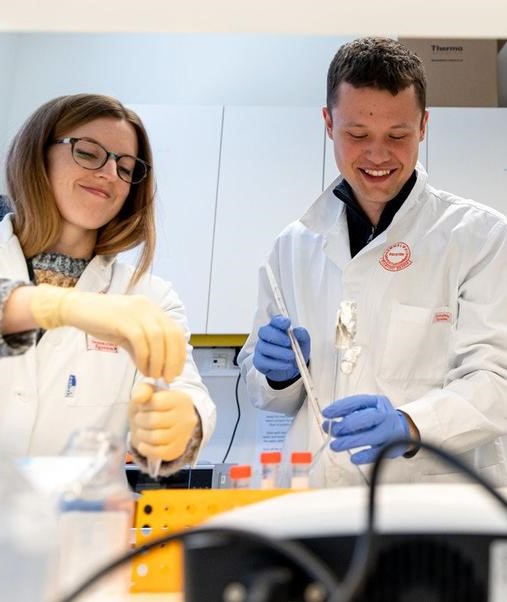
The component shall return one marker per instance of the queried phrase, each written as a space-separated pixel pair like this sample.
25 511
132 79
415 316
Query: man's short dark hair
380 63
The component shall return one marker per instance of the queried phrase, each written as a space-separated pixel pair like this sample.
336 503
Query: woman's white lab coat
431 294
69 380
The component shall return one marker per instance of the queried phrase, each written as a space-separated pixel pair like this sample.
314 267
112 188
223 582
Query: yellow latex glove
155 342
162 421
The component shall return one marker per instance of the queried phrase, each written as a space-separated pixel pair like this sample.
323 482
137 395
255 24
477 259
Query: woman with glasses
82 190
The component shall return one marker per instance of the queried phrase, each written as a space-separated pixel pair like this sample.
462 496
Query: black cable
365 548
236 396
294 551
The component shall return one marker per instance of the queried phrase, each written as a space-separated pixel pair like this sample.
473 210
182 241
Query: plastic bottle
240 476
300 469
27 538
96 514
270 463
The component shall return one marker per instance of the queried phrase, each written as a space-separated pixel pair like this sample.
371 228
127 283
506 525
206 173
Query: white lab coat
431 322
68 381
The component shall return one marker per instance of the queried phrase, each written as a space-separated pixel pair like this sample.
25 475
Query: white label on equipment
498 571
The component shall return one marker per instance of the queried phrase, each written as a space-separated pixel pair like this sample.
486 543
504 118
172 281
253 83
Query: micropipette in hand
154 464
345 323
300 360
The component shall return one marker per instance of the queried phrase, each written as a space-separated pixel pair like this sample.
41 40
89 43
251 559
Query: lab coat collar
6 231
96 276
361 230
328 217
327 211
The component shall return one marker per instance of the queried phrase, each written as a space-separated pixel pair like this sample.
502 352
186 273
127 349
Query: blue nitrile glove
273 355
367 420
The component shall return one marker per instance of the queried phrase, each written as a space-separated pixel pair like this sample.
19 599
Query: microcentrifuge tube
270 463
300 465
240 476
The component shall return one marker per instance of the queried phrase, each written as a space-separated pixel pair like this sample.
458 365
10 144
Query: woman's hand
155 342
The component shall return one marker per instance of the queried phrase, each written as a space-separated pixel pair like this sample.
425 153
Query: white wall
8 47
202 69
165 68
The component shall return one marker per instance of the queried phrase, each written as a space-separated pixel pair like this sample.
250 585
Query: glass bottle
96 513
240 476
270 463
300 468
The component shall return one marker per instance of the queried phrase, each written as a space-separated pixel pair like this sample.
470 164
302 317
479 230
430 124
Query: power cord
364 550
238 418
365 547
294 551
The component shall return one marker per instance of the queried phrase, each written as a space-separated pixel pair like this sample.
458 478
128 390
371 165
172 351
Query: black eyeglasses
92 155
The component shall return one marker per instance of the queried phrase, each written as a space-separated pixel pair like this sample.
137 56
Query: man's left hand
366 420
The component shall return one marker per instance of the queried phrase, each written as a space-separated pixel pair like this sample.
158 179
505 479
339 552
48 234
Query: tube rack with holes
163 511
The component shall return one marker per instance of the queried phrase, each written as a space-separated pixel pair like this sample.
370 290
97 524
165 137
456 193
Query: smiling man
396 292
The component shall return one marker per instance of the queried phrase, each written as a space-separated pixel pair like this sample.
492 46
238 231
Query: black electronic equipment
436 543
201 476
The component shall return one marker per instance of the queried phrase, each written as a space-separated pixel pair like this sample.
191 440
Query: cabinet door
186 148
467 153
270 172
331 171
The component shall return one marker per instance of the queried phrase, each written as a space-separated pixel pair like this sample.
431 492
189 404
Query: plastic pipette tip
154 467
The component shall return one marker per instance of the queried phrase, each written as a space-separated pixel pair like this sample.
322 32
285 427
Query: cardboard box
460 72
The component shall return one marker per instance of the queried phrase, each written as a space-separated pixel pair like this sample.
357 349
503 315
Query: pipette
154 464
300 360
154 467
305 373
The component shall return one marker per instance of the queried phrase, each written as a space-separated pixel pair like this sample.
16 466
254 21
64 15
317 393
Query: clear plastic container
300 470
240 476
96 514
270 464
28 524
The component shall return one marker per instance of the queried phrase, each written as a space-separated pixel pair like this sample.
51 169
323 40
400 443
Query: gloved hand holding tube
162 421
368 421
155 342
273 354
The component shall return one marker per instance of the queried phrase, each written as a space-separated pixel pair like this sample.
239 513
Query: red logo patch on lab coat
396 257
93 344
442 316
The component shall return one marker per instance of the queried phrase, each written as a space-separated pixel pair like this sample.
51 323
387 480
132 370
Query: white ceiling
409 18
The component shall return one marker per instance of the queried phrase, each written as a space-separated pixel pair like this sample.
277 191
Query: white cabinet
270 172
186 147
467 153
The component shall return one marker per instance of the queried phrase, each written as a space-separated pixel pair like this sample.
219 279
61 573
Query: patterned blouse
50 268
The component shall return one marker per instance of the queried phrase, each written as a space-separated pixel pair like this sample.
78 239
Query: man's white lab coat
431 294
69 380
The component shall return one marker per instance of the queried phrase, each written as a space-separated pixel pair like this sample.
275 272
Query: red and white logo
396 257
442 316
93 344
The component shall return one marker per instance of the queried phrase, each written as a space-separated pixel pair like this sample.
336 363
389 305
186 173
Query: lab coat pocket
417 344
